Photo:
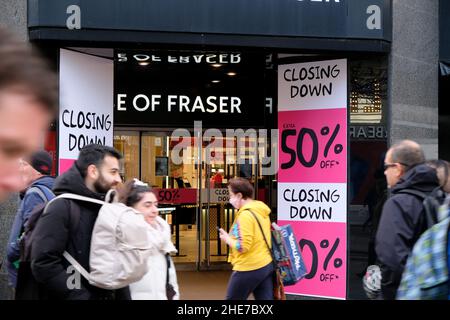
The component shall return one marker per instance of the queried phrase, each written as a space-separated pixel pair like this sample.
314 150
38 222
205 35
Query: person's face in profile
23 124
27 172
392 170
107 175
444 180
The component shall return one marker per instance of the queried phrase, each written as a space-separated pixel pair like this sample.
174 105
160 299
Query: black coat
402 222
53 235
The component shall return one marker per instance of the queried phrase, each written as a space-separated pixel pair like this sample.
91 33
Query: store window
128 145
154 160
368 145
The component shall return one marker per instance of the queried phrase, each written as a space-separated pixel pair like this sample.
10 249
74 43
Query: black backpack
27 287
431 203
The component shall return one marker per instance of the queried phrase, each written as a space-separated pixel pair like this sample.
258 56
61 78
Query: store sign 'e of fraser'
181 103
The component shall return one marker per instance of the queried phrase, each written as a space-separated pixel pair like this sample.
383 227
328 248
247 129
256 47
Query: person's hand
225 237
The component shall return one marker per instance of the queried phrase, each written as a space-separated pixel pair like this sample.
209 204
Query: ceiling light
216 65
215 81
144 63
231 74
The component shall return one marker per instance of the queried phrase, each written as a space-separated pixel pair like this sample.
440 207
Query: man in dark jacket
403 217
35 171
92 175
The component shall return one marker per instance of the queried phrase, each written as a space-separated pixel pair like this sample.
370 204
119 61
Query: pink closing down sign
313 146
323 248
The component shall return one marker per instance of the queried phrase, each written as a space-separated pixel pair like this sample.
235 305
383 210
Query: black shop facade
291 95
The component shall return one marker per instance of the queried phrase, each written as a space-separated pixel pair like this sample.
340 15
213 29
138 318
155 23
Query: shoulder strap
39 192
75 217
264 236
44 199
428 207
73 196
74 210
168 267
44 187
76 265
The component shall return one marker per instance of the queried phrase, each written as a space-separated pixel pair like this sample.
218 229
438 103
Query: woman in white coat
152 286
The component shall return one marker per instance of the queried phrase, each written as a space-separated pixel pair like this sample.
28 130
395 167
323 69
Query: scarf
160 236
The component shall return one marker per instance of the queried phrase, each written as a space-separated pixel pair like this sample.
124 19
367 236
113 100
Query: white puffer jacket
153 285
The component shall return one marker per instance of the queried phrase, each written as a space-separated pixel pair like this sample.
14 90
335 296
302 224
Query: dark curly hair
94 154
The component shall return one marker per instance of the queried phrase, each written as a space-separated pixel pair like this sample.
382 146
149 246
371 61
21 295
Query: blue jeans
259 281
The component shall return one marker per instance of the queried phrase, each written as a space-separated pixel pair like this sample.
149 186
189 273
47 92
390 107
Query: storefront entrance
191 186
172 100
154 99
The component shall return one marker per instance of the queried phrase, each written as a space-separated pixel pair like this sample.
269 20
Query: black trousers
259 281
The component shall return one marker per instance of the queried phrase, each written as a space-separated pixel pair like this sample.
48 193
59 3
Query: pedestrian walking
403 219
94 172
160 282
249 253
36 171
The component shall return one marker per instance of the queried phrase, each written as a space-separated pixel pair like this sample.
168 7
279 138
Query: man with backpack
412 184
36 173
66 225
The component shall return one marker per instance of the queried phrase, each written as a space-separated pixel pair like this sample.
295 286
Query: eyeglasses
388 165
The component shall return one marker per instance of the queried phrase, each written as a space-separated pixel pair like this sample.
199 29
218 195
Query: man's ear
400 171
92 172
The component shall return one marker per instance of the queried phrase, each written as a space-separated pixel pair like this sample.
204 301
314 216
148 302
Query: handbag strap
264 236
168 266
